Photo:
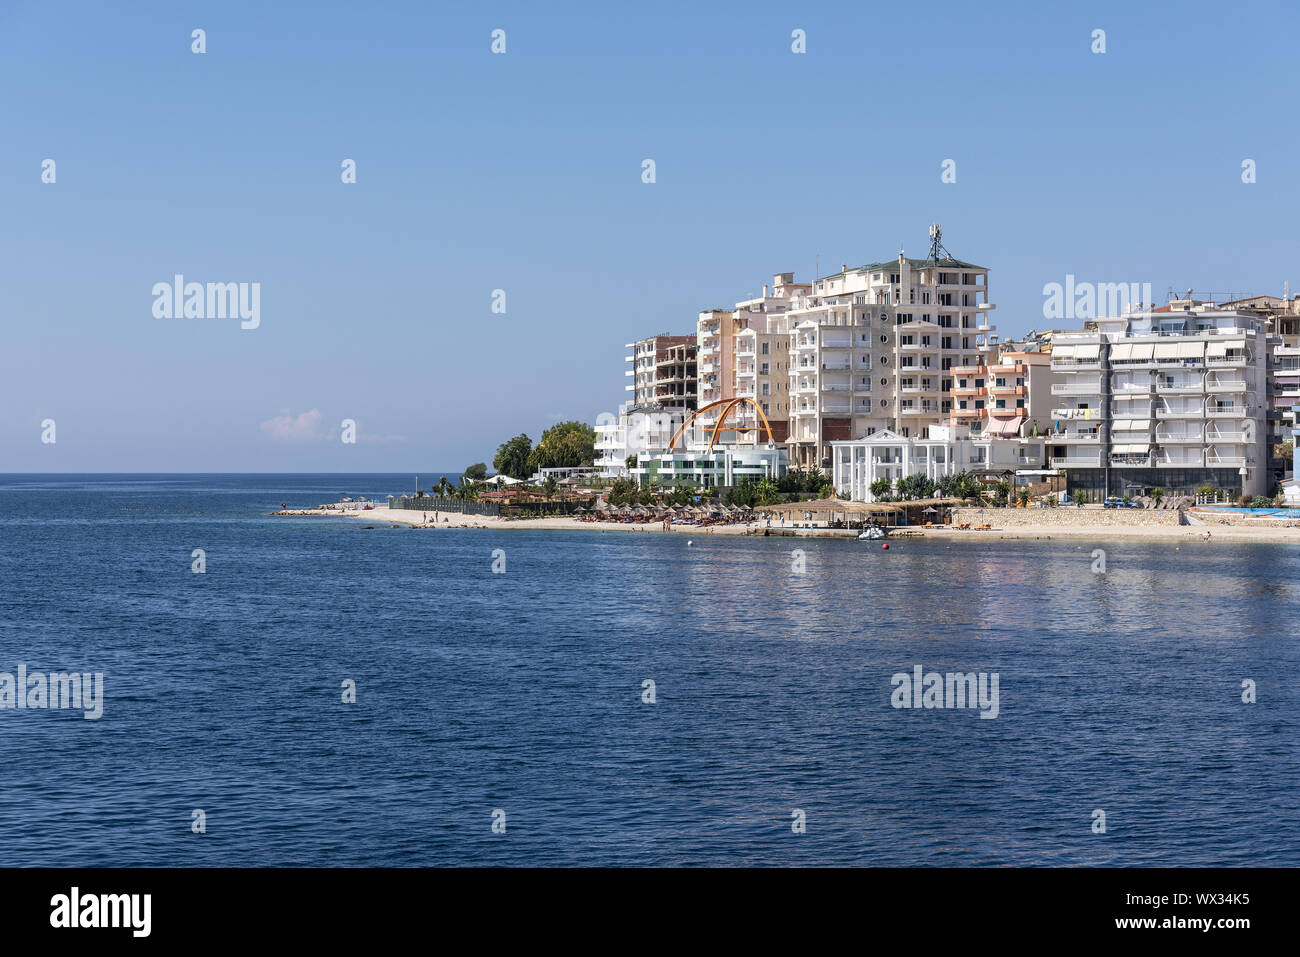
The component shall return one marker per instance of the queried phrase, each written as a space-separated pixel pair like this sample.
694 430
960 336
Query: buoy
690 543
885 546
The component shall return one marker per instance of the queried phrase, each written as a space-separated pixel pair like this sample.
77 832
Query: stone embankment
1067 516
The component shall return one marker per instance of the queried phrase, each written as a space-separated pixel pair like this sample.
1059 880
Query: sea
306 691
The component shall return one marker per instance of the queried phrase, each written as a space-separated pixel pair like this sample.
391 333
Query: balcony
1226 412
1191 412
1076 365
970 392
1230 385
1132 460
1216 461
1078 461
967 370
922 410
1212 438
1074 438
1180 459
1180 438
1092 387
1008 390
1180 388
1070 414
968 413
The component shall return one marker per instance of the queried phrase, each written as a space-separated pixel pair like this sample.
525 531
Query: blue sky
522 172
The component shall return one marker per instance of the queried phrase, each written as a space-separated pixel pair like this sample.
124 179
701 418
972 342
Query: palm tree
442 487
766 490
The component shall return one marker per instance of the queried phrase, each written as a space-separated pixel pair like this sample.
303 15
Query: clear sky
522 172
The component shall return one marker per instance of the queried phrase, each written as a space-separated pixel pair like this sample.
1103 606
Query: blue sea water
522 691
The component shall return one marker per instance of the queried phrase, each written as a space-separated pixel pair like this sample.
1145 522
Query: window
764 348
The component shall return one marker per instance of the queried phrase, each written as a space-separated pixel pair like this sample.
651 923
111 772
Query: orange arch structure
730 405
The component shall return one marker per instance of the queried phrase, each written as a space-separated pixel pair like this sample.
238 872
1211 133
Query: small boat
872 533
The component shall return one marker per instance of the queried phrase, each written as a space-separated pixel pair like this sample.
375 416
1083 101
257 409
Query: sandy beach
381 515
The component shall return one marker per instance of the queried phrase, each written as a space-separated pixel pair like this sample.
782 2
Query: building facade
946 450
1006 397
1174 399
701 467
874 347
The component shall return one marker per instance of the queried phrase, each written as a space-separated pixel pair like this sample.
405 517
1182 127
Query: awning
1143 350
1217 349
1063 352
1131 425
1191 350
1166 350
1131 449
1121 350
1087 352
1002 427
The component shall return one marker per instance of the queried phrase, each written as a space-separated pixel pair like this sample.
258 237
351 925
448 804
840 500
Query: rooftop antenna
936 244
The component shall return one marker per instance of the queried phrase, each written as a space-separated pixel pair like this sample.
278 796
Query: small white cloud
305 427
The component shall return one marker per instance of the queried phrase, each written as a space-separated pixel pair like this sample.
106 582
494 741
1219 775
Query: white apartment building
1175 398
633 432
702 467
874 348
946 450
662 370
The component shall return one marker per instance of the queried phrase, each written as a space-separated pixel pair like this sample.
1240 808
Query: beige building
762 350
874 347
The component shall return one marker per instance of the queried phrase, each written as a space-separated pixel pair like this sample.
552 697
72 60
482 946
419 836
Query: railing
430 503
1079 388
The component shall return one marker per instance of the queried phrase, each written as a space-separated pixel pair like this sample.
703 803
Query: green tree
565 445
443 485
512 457
1157 494
915 486
476 472
766 491
1024 497
630 461
550 486
880 488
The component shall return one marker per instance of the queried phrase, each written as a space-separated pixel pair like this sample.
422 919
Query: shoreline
382 515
